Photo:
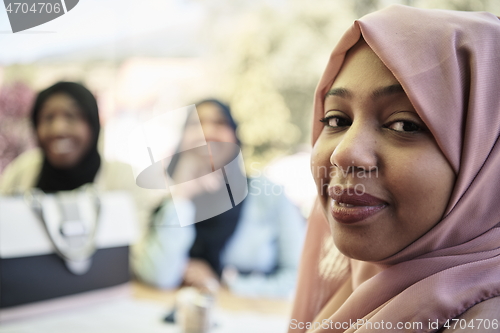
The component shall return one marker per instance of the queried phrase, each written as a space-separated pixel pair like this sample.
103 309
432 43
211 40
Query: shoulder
487 311
21 173
263 190
118 176
28 159
266 201
115 175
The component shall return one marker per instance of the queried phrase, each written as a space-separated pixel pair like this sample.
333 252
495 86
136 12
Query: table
145 310
225 300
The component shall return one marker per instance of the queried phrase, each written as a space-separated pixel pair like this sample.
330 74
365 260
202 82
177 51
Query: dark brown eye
404 126
336 121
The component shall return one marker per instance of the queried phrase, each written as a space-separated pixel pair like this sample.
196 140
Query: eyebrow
381 92
389 90
341 92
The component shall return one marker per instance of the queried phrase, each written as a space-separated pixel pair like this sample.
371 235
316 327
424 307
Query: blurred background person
255 246
65 118
66 121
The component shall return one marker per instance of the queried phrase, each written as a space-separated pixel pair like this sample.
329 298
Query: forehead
60 102
362 68
209 111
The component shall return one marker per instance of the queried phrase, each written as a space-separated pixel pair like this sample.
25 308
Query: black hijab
212 234
51 178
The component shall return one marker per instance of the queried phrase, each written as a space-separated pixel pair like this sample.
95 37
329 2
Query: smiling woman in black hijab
66 120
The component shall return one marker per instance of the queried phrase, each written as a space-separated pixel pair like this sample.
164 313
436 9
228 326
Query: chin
359 249
63 162
356 254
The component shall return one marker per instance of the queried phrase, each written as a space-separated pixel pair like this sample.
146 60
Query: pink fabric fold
448 63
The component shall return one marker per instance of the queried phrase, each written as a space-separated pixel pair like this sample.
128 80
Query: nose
357 149
59 126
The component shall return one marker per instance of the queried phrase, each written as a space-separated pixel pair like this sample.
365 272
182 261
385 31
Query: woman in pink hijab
405 234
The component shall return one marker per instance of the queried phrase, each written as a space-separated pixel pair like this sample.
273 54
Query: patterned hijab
448 64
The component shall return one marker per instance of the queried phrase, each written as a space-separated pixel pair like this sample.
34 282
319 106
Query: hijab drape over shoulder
448 63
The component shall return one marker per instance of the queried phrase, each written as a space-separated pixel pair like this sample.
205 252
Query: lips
62 146
350 205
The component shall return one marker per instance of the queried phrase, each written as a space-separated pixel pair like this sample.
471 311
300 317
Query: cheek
321 167
422 183
42 134
227 135
191 136
83 132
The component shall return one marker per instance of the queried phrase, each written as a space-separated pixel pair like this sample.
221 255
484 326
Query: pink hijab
448 63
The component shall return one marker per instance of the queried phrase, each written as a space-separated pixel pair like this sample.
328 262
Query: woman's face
214 123
382 179
63 132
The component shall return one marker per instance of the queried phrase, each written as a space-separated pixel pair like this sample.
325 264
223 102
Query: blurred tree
15 126
363 7
273 54
466 5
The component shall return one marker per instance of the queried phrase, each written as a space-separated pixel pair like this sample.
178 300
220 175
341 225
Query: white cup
194 311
